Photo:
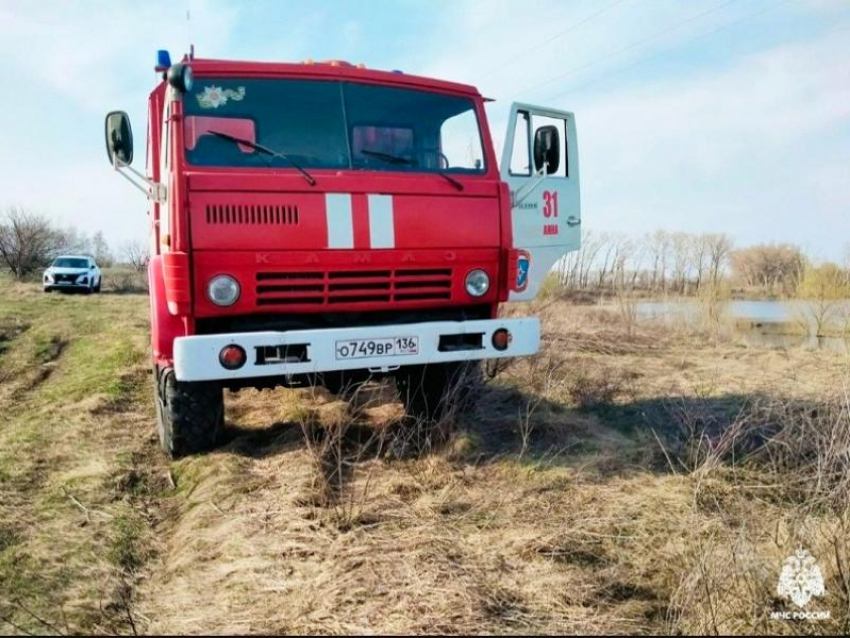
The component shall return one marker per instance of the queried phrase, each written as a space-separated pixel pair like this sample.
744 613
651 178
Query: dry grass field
631 478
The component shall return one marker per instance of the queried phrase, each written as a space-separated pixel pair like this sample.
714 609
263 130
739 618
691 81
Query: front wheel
190 415
97 287
430 393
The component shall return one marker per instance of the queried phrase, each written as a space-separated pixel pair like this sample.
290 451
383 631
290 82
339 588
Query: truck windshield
329 124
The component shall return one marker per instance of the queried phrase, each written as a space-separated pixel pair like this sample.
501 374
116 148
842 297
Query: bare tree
71 241
659 248
775 268
680 244
846 263
719 247
136 254
824 288
100 250
27 241
699 258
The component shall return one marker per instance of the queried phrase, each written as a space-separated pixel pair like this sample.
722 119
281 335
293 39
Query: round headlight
477 283
223 290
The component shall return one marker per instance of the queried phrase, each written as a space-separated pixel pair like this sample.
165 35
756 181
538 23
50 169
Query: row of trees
660 262
29 242
663 263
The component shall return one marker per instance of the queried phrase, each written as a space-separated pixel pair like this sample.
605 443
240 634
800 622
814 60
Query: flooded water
763 323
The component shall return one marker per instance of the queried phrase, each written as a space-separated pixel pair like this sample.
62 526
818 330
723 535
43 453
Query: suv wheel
190 416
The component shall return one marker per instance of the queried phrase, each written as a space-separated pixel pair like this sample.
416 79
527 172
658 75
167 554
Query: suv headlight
223 290
477 283
82 279
48 278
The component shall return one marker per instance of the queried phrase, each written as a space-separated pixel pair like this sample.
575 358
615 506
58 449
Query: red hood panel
361 221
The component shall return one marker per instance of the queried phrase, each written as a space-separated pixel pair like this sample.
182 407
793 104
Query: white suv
72 272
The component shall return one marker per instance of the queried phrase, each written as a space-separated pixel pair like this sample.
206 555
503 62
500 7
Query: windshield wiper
267 151
397 159
451 180
387 157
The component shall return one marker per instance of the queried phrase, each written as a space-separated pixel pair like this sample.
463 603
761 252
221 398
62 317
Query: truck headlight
477 283
82 280
223 290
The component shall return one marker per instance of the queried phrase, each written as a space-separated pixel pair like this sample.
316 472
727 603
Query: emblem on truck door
523 263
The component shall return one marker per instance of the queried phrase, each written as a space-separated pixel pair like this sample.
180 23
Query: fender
165 327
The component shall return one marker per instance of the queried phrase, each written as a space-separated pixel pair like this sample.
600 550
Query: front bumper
65 286
196 358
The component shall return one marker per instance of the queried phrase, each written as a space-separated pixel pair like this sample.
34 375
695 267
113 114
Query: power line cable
560 34
628 47
664 52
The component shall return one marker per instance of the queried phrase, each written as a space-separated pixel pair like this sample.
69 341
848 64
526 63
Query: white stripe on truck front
381 229
340 220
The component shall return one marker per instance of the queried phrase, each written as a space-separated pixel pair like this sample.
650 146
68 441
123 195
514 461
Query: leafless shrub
27 241
123 281
592 388
341 443
803 446
135 254
778 471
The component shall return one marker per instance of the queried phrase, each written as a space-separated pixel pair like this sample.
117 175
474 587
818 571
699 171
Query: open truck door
540 165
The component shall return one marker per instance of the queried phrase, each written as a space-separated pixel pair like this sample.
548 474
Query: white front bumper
196 357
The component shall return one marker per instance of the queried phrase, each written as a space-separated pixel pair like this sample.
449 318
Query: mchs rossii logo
800 580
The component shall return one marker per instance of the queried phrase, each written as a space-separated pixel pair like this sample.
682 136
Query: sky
699 116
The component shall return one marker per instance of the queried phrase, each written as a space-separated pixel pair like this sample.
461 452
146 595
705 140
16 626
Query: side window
521 152
460 142
554 130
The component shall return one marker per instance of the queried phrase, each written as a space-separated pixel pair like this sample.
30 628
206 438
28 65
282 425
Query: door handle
572 220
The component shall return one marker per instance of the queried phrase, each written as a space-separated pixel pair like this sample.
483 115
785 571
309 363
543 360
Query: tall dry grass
583 492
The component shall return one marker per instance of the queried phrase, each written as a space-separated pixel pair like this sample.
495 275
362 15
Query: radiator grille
251 214
329 288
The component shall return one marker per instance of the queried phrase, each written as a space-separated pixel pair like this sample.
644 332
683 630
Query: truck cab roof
326 70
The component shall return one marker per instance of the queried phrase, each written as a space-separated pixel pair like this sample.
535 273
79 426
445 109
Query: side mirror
119 139
547 149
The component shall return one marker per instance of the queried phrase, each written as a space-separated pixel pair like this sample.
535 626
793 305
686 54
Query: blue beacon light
163 60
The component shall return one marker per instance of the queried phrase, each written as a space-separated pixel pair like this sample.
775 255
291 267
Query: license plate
384 347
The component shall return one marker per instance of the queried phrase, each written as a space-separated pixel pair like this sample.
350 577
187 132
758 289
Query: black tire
97 288
190 416
430 393
342 384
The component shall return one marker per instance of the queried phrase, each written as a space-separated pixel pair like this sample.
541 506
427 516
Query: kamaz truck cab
324 223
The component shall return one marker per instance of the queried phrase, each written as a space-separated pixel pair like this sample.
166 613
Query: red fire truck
324 223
